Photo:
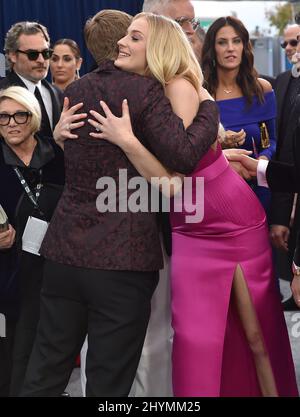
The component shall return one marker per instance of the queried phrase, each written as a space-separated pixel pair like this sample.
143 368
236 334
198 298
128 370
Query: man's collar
29 84
106 65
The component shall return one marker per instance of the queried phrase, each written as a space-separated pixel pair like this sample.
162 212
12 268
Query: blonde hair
24 97
168 51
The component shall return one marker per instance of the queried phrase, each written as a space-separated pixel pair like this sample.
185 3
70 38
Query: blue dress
236 114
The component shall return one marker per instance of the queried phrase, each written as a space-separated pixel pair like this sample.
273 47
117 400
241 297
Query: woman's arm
184 99
185 102
118 130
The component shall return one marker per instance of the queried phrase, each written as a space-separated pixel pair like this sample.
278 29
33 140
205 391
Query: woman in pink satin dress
230 337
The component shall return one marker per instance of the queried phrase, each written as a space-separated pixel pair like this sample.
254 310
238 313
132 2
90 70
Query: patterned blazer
79 234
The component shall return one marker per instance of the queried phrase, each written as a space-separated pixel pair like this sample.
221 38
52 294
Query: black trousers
113 307
30 278
6 349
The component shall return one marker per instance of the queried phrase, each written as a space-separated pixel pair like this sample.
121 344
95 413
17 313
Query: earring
214 63
77 74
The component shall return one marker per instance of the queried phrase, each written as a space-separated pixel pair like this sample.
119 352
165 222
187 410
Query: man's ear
13 57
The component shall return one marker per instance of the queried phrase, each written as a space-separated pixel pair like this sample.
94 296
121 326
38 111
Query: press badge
33 235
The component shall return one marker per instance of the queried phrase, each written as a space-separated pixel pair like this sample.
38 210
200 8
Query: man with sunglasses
27 49
287 89
289 43
182 11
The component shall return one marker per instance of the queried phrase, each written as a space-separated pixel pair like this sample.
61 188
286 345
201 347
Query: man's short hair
103 31
291 26
155 6
11 43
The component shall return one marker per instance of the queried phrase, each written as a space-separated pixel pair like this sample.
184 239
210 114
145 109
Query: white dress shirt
46 96
261 173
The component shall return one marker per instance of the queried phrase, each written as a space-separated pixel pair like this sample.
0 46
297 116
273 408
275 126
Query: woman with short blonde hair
32 176
27 99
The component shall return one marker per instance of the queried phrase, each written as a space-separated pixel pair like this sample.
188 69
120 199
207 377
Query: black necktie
45 124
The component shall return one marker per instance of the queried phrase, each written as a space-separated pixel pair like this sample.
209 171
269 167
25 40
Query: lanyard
33 198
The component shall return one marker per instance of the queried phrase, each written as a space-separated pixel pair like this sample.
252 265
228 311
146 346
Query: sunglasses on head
292 42
33 54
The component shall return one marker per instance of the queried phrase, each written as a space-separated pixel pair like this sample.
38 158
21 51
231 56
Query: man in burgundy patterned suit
102 267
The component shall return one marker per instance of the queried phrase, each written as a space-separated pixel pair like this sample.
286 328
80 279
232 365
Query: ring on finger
98 129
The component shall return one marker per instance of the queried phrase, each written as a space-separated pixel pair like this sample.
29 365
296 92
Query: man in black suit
280 177
27 49
287 88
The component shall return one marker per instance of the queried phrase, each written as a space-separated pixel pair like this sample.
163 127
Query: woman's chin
118 63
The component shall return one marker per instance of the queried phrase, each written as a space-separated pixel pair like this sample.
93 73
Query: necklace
227 91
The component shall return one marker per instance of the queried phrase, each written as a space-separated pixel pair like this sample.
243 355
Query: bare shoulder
181 86
184 99
266 85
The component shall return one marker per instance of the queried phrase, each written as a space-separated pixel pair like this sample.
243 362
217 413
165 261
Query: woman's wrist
130 144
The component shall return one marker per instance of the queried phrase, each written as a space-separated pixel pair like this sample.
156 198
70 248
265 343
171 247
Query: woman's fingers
76 125
76 117
69 111
75 108
93 123
106 109
125 109
234 139
98 126
66 105
111 126
101 119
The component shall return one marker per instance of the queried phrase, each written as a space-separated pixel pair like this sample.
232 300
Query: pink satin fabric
211 356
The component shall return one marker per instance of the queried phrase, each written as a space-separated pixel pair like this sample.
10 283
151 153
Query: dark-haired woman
246 102
65 63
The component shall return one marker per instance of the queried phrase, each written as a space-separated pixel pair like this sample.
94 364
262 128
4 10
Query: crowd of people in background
157 305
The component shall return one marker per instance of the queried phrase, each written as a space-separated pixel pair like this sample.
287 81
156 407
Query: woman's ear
79 63
78 66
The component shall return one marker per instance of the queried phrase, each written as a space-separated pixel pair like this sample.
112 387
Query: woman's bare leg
250 324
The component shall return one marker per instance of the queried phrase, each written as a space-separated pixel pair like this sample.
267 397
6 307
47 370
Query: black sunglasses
183 21
292 42
33 55
20 117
